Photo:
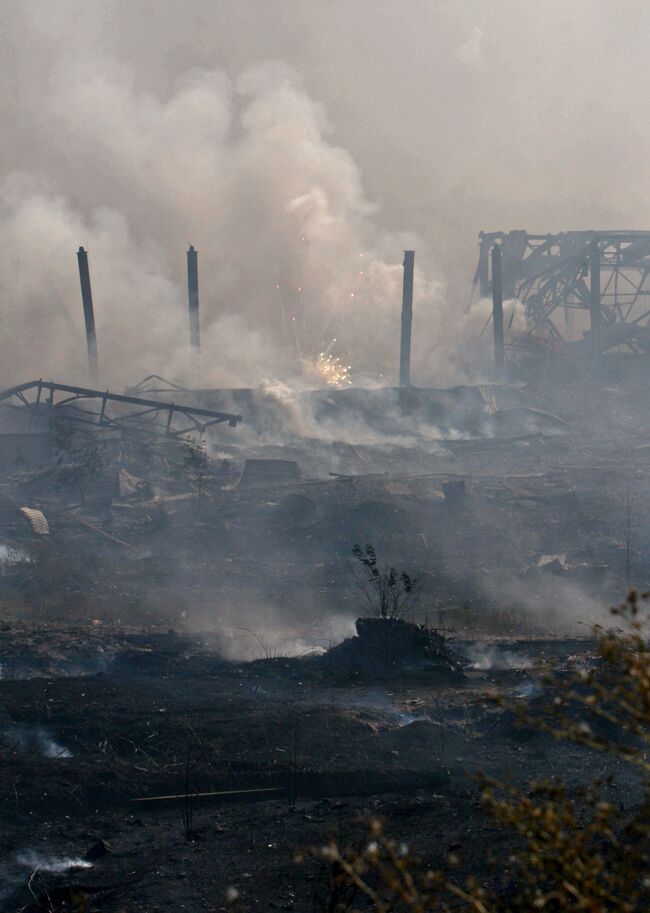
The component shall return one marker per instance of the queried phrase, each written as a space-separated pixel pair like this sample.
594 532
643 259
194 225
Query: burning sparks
332 370
328 369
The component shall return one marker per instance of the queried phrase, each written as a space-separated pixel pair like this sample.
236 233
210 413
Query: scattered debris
223 795
36 519
133 487
269 472
553 563
99 850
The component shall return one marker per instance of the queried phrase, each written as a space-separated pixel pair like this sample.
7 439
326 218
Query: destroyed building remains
184 642
584 293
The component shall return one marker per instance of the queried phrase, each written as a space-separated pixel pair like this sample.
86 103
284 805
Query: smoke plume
134 152
291 258
300 147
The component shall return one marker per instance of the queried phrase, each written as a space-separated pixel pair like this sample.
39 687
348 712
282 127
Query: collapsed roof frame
149 416
550 275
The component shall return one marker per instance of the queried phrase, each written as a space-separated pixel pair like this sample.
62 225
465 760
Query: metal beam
164 412
193 300
594 281
89 313
497 310
407 320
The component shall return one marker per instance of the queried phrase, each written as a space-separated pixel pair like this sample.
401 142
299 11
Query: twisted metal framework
102 410
550 276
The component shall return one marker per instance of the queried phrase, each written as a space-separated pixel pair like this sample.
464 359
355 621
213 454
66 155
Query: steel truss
549 275
107 411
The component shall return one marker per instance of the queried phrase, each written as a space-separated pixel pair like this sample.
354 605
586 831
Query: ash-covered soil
166 716
521 512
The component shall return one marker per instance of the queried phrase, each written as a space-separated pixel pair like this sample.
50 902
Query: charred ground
125 631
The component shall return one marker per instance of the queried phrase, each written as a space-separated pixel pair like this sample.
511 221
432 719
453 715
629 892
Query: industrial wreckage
184 689
583 292
584 299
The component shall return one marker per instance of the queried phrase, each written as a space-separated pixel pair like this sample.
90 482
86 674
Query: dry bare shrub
574 851
388 593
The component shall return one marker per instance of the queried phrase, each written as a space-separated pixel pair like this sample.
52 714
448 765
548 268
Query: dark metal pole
89 314
594 277
193 299
407 320
482 272
497 309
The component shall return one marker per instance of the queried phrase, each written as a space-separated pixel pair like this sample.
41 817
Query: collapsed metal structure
104 411
578 288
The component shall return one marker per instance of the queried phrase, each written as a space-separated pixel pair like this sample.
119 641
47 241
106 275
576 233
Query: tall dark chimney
594 279
407 320
193 299
497 310
89 314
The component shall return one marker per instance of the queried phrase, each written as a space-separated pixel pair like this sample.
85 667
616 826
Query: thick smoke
241 157
133 128
290 255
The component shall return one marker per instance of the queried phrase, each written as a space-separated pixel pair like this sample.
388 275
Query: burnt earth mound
384 646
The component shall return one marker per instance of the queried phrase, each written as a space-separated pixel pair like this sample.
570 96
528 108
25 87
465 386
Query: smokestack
193 300
594 277
89 314
407 320
497 310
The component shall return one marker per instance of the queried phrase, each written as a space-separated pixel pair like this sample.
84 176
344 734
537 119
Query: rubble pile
392 645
